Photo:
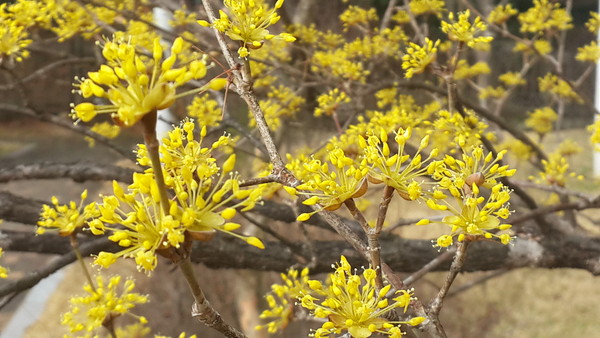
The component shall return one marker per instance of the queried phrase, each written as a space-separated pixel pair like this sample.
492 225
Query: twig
35 277
429 266
476 282
459 259
201 309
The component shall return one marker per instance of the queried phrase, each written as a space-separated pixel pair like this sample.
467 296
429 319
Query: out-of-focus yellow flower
105 129
248 23
464 70
541 120
589 52
3 270
420 7
501 13
512 79
553 84
543 16
282 300
103 302
329 102
356 16
593 24
67 218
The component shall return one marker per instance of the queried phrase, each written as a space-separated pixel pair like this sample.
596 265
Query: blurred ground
523 303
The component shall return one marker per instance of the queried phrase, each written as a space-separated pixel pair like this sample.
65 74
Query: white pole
162 17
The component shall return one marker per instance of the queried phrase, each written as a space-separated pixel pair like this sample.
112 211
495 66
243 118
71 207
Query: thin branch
443 257
459 260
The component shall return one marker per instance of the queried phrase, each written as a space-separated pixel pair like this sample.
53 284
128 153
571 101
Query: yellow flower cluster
594 129
472 213
105 129
501 13
351 303
356 16
541 120
465 31
281 300
559 87
464 70
67 218
3 270
281 102
593 24
452 131
14 37
556 171
490 91
248 23
545 16
540 46
419 7
589 52
338 63
417 58
512 79
329 183
101 303
330 102
203 202
395 170
135 84
205 109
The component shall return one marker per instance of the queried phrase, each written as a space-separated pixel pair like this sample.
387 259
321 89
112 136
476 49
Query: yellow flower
544 15
134 84
67 218
501 13
463 70
593 24
419 7
282 298
105 129
417 58
559 87
356 16
248 23
465 31
512 79
589 52
541 120
556 171
3 270
329 102
331 183
204 200
14 37
205 109
103 302
399 170
351 303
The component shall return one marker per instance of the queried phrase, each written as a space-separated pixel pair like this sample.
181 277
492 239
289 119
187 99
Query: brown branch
457 263
77 171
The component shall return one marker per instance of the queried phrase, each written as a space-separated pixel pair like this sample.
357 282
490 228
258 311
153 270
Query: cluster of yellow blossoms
102 303
134 83
351 303
67 218
248 23
206 199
